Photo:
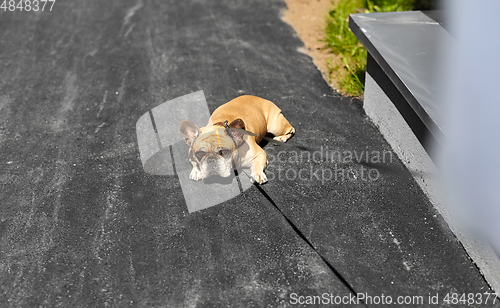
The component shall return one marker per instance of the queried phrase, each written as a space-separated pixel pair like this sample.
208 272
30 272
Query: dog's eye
224 152
200 154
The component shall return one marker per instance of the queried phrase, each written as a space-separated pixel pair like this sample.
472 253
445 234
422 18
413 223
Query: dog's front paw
195 174
259 177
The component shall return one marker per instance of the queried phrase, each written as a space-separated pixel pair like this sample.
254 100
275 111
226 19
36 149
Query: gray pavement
82 225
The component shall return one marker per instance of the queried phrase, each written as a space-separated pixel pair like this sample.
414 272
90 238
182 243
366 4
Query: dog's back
254 111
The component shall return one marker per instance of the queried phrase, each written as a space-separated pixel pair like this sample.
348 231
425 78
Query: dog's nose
211 158
211 161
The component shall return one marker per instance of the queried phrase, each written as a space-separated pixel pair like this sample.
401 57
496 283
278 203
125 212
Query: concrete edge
410 151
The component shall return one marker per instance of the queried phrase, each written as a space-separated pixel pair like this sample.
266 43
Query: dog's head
213 148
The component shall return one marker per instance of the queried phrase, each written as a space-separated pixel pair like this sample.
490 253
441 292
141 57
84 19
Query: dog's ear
236 131
189 131
238 123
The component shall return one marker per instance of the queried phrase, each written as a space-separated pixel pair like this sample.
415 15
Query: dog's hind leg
281 128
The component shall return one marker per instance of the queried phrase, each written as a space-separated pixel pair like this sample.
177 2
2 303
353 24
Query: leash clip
226 125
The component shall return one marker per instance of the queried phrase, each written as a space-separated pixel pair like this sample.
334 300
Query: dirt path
307 17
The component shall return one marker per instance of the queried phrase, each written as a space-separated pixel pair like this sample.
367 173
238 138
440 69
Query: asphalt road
82 225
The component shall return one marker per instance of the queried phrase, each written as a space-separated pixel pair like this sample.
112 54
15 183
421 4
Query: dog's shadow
217 179
264 142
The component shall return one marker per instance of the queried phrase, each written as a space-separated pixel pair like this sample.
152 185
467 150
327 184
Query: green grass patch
350 73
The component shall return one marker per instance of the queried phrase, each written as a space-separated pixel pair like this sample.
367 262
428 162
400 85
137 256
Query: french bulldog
224 144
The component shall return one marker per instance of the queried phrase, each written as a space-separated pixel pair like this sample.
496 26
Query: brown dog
215 149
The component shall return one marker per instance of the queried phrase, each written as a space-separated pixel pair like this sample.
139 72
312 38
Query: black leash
292 225
381 167
271 140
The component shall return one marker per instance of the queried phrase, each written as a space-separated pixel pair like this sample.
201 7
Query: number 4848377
27 5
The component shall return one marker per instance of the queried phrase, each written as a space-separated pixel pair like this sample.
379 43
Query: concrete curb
398 134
